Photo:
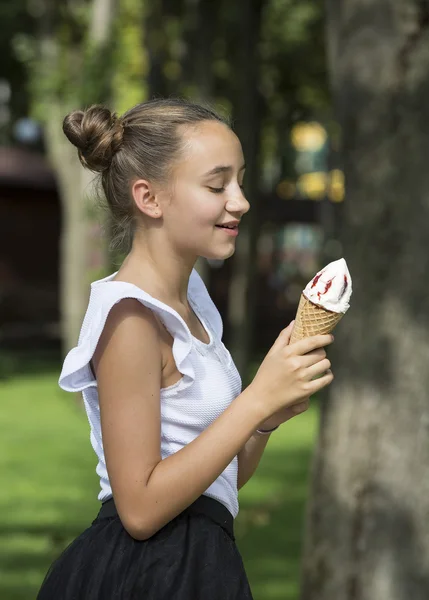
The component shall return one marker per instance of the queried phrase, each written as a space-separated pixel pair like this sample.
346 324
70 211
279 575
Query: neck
158 270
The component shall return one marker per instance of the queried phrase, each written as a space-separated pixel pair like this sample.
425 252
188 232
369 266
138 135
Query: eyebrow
223 169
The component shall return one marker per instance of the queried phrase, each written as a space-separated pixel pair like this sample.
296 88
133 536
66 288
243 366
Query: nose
237 203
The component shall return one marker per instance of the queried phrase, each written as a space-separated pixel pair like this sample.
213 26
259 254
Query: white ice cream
331 288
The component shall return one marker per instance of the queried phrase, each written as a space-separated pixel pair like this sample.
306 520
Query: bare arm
148 491
250 456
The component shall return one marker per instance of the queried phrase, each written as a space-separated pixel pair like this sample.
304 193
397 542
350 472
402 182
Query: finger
284 337
311 358
320 368
318 384
312 343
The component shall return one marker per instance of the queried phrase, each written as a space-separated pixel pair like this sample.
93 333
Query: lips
230 230
229 224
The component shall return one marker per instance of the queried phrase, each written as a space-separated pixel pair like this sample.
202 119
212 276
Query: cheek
199 208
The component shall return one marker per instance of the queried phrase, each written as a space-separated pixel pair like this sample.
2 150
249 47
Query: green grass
270 523
49 491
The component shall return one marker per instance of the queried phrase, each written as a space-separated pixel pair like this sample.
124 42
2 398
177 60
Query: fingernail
332 337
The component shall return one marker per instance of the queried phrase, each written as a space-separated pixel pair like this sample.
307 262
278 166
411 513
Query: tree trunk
102 20
73 181
74 250
368 528
205 38
156 41
242 292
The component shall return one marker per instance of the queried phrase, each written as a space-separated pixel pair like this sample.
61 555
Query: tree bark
367 532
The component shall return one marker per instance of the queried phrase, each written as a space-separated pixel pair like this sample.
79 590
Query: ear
145 198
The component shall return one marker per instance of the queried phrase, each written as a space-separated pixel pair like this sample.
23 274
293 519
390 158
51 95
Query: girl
174 435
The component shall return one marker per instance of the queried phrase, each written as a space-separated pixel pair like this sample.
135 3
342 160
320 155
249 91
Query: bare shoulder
130 310
128 324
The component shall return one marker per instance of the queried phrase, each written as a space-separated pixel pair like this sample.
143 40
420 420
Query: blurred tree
247 124
292 77
130 65
157 46
84 52
71 69
368 528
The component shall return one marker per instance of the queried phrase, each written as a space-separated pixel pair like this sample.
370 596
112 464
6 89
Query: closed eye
217 190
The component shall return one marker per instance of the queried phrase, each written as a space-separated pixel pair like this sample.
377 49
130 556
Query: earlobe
145 198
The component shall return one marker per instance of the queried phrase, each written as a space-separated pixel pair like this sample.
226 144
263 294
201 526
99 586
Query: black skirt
193 557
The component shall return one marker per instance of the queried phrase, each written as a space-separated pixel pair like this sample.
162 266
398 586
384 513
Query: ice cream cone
313 320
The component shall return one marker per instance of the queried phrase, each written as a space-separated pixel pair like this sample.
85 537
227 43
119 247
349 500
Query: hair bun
97 134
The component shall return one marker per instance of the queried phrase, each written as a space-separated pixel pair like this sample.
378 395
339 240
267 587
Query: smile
229 229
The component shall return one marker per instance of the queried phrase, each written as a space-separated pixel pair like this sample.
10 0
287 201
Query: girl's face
206 193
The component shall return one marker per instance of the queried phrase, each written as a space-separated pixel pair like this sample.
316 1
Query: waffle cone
313 320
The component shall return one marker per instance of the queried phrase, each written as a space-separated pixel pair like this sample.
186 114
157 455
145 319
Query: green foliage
292 48
288 22
130 58
53 54
66 66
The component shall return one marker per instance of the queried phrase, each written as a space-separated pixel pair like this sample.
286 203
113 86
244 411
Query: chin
219 255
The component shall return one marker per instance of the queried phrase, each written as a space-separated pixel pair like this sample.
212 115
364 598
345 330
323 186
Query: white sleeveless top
209 384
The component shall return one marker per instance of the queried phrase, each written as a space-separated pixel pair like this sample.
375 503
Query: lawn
49 491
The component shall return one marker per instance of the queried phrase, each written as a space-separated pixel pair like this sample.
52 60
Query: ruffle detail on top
76 374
